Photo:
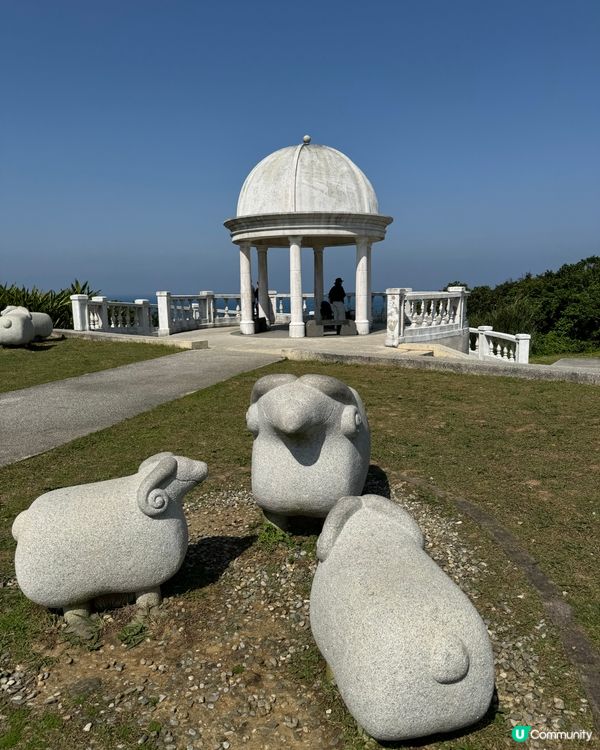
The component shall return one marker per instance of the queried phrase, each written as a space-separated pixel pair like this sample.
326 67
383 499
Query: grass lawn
526 451
549 359
45 361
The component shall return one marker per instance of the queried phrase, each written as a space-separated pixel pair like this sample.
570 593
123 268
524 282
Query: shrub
56 304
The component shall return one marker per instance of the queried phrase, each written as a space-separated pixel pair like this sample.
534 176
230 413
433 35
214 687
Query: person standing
337 295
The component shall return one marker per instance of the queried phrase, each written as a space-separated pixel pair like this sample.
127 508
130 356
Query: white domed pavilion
305 196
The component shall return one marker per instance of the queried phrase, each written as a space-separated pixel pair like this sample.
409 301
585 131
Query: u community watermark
522 733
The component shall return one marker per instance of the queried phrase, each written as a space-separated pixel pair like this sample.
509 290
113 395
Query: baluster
238 313
445 311
281 305
427 312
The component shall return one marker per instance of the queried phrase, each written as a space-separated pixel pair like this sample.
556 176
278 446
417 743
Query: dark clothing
337 293
326 311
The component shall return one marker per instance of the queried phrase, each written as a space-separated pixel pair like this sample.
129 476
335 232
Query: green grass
30 731
133 634
550 359
47 361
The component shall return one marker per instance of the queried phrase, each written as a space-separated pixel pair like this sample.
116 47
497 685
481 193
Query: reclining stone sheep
409 652
121 536
312 445
15 326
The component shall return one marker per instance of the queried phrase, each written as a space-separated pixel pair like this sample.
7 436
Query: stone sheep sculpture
16 326
312 445
409 652
121 536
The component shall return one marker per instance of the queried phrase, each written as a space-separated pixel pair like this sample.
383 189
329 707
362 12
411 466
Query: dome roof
305 179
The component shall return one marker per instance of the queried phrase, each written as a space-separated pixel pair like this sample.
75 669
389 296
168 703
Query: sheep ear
334 523
153 499
266 384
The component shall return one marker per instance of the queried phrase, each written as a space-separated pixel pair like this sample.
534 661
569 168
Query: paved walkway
34 420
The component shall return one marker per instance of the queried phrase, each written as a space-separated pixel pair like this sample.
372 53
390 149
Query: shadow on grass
206 561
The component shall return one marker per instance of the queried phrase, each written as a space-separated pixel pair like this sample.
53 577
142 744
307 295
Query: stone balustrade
485 343
226 309
425 316
102 314
184 312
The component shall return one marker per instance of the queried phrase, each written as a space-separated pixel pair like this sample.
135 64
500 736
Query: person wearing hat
337 295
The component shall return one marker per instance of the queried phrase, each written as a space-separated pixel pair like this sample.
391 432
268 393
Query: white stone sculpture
121 536
42 322
16 326
312 445
409 652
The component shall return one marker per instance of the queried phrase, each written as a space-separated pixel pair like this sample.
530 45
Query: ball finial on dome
306 139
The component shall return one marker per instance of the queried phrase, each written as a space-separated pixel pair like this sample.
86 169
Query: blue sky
127 129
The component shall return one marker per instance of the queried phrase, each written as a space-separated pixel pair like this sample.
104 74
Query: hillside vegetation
560 309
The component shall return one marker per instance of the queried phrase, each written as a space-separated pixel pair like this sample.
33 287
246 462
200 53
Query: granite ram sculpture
312 445
409 652
42 322
121 536
16 326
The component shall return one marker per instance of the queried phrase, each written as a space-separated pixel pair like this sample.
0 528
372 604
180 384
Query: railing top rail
188 296
98 303
495 334
431 295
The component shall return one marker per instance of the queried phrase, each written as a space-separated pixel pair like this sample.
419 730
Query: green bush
56 304
560 309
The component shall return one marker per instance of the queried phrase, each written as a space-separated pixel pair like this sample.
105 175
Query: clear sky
128 126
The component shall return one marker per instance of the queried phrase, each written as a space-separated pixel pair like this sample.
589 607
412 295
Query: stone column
264 306
246 322
296 330
369 289
522 348
165 315
362 321
79 303
483 348
318 281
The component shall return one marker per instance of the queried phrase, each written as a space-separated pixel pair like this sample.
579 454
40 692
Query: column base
247 327
297 331
362 327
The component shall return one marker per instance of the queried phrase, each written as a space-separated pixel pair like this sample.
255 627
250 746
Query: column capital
295 239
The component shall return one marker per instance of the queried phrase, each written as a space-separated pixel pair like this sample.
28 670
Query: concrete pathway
588 362
34 420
